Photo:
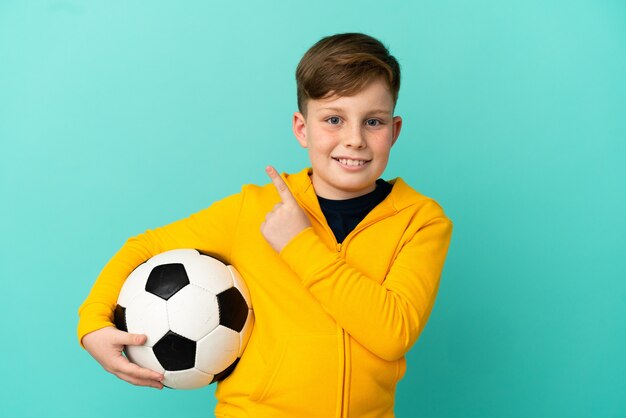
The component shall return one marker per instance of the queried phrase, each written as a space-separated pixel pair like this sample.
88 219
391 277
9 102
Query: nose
354 138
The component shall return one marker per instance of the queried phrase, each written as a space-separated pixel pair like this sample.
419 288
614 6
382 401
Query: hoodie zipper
342 407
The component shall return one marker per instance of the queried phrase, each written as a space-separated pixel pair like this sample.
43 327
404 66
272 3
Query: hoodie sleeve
386 317
210 231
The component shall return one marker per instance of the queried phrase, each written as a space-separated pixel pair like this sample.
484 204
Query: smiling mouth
351 163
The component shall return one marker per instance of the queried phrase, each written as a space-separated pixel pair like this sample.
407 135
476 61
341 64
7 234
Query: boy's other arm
210 231
106 346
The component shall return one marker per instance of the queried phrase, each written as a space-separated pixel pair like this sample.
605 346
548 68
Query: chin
358 189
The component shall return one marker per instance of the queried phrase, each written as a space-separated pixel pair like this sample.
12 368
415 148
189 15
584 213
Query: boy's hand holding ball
106 346
287 219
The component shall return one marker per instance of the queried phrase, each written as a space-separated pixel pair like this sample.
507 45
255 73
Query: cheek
381 141
382 147
323 140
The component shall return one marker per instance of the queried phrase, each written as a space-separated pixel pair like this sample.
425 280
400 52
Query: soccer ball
196 313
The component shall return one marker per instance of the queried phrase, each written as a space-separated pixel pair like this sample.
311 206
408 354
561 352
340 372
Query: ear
299 128
397 126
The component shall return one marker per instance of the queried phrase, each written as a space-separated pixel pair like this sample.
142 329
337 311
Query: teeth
350 163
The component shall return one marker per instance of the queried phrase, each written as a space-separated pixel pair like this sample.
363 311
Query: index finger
281 186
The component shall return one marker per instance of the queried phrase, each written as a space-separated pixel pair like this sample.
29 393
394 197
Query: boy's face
349 140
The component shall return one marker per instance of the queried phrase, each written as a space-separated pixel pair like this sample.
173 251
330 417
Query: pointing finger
281 186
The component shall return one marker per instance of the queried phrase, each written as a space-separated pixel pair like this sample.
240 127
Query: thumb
131 339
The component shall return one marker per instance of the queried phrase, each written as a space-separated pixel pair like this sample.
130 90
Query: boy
342 266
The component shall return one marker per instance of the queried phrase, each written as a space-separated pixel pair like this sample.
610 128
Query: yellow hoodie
333 322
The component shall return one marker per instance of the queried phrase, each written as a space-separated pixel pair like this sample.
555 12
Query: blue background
120 116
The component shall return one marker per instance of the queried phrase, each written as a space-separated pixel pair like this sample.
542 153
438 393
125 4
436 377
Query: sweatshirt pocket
301 369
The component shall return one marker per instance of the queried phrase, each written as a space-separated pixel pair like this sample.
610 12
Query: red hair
342 65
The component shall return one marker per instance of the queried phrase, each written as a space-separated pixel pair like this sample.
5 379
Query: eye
333 120
372 122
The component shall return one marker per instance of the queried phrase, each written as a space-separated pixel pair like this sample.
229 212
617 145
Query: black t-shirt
344 215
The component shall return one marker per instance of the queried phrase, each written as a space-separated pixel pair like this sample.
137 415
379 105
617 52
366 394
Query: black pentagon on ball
167 279
120 318
233 309
175 352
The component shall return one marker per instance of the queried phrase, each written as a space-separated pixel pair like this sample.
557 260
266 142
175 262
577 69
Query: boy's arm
385 318
210 230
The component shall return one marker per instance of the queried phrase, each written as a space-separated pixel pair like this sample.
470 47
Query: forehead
375 96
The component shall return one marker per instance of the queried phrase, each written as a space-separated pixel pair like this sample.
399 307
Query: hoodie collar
401 196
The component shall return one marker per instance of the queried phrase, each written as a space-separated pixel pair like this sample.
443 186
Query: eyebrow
370 112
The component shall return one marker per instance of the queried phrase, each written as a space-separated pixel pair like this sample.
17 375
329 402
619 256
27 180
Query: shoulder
405 198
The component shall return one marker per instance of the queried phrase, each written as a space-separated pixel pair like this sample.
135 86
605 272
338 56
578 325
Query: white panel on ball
147 315
193 312
218 350
244 335
216 281
186 379
140 354
134 285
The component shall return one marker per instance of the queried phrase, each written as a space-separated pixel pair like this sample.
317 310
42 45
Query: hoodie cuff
307 255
